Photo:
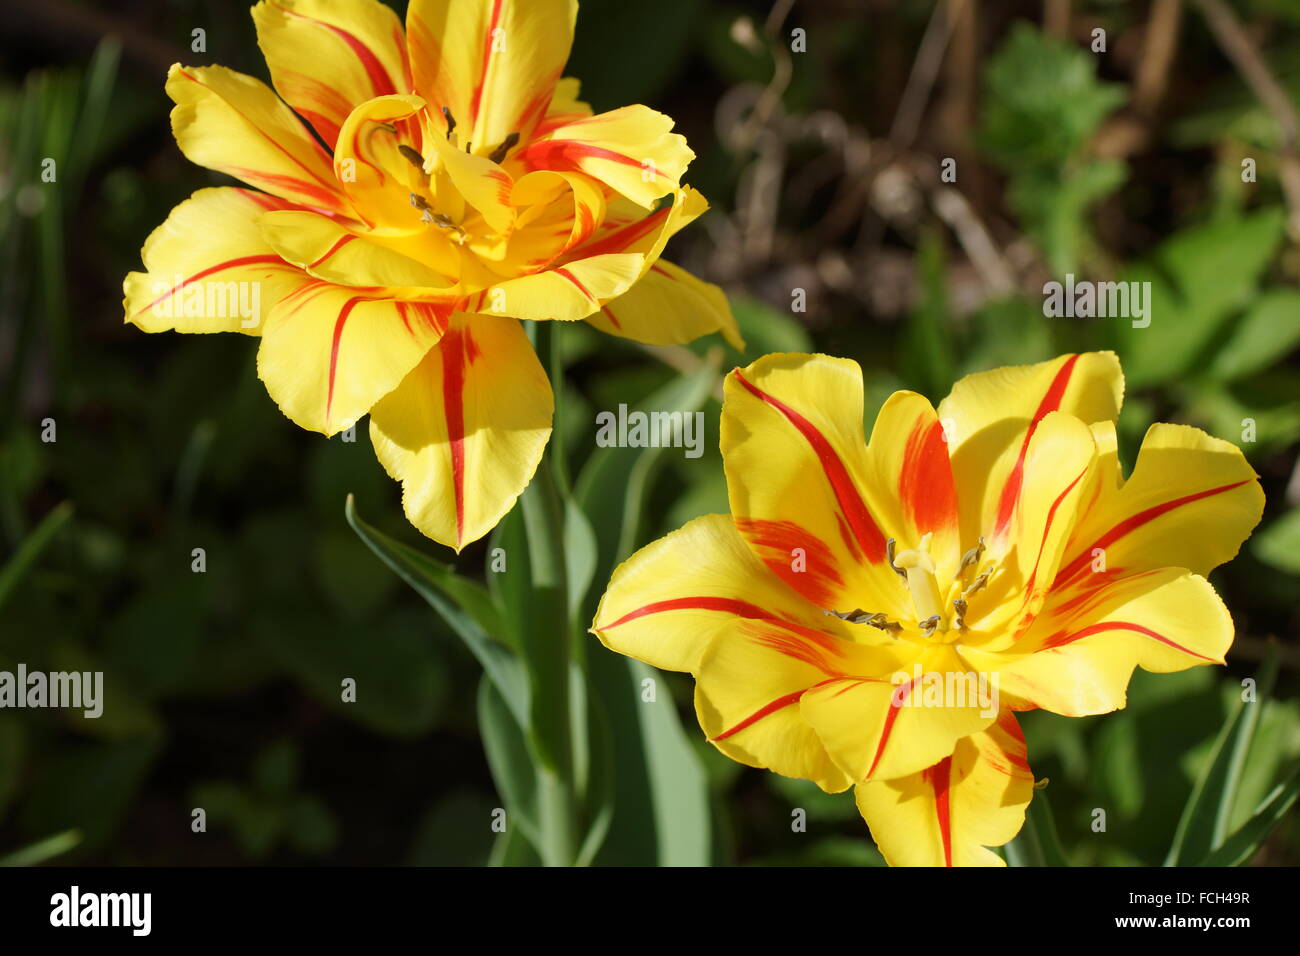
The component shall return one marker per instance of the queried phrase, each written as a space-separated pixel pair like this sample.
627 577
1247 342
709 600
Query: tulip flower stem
548 650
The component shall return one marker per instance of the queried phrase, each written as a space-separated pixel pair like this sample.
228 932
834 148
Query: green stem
547 648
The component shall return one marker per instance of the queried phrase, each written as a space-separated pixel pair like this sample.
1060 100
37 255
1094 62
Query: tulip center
918 570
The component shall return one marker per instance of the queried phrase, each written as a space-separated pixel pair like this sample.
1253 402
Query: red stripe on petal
926 484
723 605
896 700
487 59
1105 626
771 708
380 81
453 396
342 241
1136 521
219 267
869 537
566 274
939 777
1051 401
334 350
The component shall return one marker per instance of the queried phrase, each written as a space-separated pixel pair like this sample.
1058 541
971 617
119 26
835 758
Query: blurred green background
823 166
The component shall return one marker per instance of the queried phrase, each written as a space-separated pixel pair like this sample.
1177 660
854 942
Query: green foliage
1043 102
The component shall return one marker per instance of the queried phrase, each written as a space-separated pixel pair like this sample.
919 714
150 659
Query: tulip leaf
1204 822
614 483
16 568
1037 844
509 761
465 606
1240 848
42 850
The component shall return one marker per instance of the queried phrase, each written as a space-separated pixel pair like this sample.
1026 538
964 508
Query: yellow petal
327 57
632 150
879 729
329 250
483 183
909 481
330 352
565 105
948 814
233 123
989 417
751 679
369 163
1080 663
465 430
667 602
558 211
493 64
1191 501
1058 463
208 269
669 306
795 457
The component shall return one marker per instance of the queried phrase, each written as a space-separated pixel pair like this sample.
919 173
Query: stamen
414 158
978 583
860 616
929 624
960 607
889 554
508 144
972 556
451 121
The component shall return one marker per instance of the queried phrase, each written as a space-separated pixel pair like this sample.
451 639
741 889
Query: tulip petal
880 729
328 250
330 352
235 124
493 64
1191 501
374 172
1080 664
632 150
795 460
909 480
667 602
465 430
990 416
948 814
1059 461
327 57
751 679
206 262
669 306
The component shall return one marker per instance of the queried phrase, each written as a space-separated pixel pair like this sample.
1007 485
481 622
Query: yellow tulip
844 621
417 193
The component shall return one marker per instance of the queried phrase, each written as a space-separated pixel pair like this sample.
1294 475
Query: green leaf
1241 847
400 675
43 850
679 787
1279 543
1037 844
1199 278
464 605
1204 822
767 329
509 760
1268 331
31 549
615 482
